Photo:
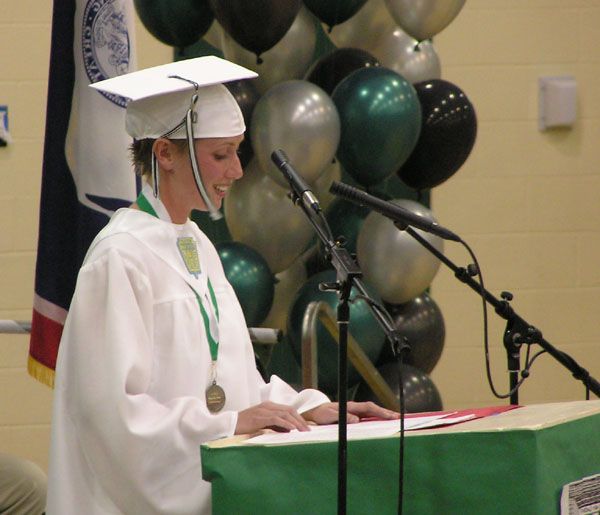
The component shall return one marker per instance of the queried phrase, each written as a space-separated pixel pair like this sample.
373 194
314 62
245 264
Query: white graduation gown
134 364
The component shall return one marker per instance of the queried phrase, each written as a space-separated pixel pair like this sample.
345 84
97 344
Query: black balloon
328 71
246 95
333 12
177 23
448 131
257 25
421 322
420 394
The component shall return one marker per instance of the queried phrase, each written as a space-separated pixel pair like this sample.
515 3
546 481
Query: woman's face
219 167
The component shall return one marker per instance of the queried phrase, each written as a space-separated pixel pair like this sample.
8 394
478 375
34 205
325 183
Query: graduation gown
134 363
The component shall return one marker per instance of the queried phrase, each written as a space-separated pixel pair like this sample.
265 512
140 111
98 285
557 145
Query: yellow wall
527 202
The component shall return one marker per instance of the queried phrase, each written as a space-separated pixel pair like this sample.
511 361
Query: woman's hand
328 413
269 415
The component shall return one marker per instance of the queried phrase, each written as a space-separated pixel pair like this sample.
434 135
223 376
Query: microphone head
342 189
336 187
279 157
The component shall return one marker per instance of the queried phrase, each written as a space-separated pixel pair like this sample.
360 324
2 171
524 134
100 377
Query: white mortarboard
182 100
161 96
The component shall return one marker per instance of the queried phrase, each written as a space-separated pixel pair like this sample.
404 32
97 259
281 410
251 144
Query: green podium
513 462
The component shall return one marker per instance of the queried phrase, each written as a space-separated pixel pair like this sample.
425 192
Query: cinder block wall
527 202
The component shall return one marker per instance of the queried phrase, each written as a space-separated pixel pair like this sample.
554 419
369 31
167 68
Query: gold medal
215 398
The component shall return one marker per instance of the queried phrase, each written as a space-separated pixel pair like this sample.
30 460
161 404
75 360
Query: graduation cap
181 100
160 98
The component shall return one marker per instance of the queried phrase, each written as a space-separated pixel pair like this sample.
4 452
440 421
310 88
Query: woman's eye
220 157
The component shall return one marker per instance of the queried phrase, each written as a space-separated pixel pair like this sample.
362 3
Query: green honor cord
213 344
145 206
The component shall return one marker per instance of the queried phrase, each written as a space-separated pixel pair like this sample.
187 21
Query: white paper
362 430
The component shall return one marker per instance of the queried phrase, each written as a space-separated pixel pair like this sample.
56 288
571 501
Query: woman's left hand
328 413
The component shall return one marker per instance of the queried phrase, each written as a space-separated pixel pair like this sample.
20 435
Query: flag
86 174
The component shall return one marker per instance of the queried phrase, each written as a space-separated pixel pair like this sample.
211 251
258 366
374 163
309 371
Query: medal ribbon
213 343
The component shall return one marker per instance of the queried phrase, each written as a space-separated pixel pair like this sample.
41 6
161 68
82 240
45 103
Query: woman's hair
141 154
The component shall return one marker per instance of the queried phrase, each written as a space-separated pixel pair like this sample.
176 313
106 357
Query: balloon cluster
351 90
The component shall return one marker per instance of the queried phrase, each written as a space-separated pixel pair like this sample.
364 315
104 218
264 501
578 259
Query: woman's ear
164 150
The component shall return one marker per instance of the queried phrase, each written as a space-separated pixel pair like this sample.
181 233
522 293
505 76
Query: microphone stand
518 331
348 275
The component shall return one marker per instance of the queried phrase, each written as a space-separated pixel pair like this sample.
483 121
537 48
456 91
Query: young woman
155 357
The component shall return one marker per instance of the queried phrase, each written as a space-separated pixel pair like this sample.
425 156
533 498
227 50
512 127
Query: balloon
393 187
288 59
260 214
365 28
420 393
178 23
214 34
447 136
381 119
246 95
332 172
421 322
283 363
345 219
333 12
416 62
287 284
250 277
397 265
425 18
363 328
215 230
330 69
301 119
256 25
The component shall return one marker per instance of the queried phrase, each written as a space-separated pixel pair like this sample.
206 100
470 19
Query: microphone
298 184
391 210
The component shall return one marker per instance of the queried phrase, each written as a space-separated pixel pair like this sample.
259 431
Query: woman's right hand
269 415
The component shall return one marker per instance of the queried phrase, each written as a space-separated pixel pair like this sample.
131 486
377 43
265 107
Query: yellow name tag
189 253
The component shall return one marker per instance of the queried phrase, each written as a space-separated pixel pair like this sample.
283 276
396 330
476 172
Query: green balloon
250 277
363 327
345 219
380 118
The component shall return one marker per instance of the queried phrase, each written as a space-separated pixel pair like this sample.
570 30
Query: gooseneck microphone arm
348 275
518 330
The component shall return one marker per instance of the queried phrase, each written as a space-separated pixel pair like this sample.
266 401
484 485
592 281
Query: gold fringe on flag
40 372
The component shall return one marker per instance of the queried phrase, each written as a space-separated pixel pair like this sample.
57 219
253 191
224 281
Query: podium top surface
532 417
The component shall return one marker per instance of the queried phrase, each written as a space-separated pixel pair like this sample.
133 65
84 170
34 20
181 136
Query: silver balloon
365 28
289 59
288 283
425 18
260 214
302 120
332 172
214 34
416 62
392 261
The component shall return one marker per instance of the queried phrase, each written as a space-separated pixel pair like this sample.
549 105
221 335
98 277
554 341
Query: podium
513 462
